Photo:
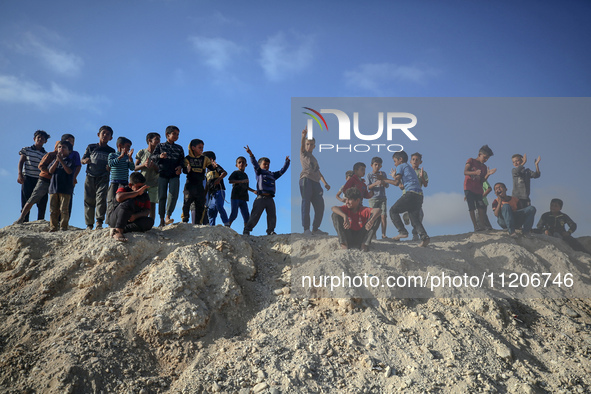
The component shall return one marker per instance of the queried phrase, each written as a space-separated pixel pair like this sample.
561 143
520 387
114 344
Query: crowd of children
128 203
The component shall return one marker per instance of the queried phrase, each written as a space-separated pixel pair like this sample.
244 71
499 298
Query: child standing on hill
170 158
149 170
310 188
216 192
357 181
265 192
522 177
96 185
120 163
348 175
28 172
239 198
411 201
195 165
378 187
416 159
60 187
475 174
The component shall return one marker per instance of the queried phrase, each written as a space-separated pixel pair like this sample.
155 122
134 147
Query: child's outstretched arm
537 164
303 146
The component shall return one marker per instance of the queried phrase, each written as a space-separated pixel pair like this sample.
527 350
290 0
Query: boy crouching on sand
355 224
132 208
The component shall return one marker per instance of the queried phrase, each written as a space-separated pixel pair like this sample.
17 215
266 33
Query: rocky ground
198 309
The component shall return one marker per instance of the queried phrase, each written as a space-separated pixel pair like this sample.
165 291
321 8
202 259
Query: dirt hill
199 309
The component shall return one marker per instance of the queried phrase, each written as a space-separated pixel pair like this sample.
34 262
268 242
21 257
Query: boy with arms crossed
61 187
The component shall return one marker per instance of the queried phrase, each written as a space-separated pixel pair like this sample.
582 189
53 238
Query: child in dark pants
411 201
355 224
552 223
195 165
239 198
132 209
265 193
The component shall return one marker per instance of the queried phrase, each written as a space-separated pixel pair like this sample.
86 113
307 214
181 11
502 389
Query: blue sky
225 72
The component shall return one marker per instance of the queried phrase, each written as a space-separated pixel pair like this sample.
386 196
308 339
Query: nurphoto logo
344 130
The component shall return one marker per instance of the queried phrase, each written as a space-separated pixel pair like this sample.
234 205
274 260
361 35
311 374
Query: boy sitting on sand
132 208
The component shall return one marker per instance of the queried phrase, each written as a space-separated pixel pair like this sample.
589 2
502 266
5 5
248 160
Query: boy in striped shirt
28 172
120 164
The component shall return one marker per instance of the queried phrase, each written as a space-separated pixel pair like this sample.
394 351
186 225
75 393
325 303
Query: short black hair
352 193
196 141
499 183
67 144
517 155
358 165
376 160
209 154
349 174
150 136
107 129
241 158
417 154
556 201
170 129
486 150
42 134
136 177
123 141
67 136
401 155
264 160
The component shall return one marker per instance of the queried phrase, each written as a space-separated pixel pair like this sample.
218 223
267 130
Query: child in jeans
522 177
265 193
120 163
60 187
28 173
216 192
195 165
239 198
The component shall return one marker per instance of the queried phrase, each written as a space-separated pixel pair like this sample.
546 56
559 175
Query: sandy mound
201 309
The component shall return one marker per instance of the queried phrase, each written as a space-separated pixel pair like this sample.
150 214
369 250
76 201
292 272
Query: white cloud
4 172
56 60
216 52
15 90
281 58
375 77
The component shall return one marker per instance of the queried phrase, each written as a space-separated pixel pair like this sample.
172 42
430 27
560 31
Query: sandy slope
201 309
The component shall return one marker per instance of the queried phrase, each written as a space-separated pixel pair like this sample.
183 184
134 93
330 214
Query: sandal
119 237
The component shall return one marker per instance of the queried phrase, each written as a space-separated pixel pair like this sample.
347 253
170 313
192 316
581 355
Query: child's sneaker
245 232
319 232
307 233
99 225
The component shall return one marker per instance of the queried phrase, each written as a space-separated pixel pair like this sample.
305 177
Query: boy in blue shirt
265 193
411 201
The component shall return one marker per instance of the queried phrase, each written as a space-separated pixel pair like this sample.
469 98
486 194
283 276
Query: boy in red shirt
475 174
355 224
